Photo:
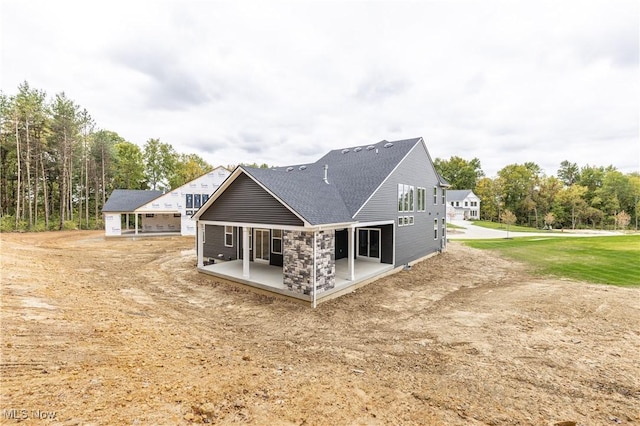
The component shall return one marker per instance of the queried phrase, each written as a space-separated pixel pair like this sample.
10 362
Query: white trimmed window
422 199
276 241
435 195
444 196
405 198
228 236
444 228
435 229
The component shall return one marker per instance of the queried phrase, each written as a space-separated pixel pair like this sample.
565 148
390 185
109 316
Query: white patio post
245 252
136 231
200 237
351 242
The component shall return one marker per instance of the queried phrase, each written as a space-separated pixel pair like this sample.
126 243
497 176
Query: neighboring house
154 212
310 231
463 204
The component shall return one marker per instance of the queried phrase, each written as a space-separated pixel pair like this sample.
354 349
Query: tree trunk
46 196
28 164
86 188
36 187
19 176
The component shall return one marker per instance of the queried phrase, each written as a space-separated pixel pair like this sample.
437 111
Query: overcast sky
284 82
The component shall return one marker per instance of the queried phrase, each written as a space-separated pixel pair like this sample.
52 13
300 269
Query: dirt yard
125 331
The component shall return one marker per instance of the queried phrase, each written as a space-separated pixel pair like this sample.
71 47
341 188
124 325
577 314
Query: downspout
313 275
326 174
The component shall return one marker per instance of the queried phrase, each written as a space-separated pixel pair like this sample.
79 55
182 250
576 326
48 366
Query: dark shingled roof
353 176
127 200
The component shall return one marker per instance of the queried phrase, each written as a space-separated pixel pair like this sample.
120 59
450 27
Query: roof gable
127 200
459 194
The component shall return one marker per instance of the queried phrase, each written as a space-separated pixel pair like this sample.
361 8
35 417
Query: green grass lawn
502 226
452 226
601 260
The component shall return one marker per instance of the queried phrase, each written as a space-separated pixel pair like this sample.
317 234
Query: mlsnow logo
20 414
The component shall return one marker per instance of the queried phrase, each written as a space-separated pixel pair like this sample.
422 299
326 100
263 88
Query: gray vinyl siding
214 243
412 241
246 202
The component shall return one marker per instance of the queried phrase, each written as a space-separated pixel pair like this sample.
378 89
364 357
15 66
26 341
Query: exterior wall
325 261
177 200
297 253
112 224
160 222
412 241
213 244
245 201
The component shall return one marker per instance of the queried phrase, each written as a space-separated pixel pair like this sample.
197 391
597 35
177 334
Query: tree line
57 167
576 197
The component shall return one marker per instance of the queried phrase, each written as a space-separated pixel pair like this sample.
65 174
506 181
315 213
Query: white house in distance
463 204
155 212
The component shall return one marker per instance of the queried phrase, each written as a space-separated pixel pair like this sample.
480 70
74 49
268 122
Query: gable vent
388 145
370 147
358 149
344 151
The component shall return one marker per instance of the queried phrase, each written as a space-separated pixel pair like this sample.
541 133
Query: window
435 229
444 228
228 236
400 221
405 198
444 197
205 198
410 220
189 213
466 204
196 201
177 215
435 195
189 200
149 215
422 199
276 241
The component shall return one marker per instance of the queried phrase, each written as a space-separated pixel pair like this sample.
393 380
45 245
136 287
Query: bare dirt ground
125 331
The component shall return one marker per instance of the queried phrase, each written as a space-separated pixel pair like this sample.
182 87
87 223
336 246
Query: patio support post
351 242
245 252
136 231
200 239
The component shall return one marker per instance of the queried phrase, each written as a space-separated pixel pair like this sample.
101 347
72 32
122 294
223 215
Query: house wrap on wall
131 212
312 230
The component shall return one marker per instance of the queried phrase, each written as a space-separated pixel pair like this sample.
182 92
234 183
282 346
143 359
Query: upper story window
422 199
444 196
405 198
435 195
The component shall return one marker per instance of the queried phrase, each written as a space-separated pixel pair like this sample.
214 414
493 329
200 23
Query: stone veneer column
297 261
325 260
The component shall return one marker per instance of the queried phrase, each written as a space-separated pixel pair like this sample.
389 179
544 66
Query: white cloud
283 82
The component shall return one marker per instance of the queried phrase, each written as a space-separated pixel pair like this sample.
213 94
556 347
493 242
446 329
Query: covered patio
270 278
